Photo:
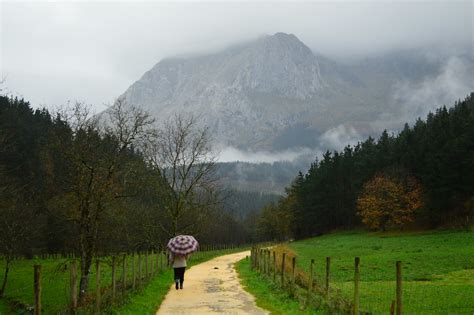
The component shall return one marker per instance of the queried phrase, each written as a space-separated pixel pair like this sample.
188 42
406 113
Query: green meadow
438 268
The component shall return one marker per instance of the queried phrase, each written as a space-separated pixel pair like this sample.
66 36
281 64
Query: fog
52 52
230 154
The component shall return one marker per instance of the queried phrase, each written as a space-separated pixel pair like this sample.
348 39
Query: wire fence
111 280
363 288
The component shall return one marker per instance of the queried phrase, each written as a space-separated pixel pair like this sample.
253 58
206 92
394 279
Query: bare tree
182 152
97 156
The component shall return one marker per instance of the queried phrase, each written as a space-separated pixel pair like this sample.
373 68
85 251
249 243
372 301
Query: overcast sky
52 52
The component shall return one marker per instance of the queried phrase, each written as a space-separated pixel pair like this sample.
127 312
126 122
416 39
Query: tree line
343 190
72 181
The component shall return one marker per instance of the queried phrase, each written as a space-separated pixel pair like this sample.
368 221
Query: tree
97 157
19 224
182 151
386 202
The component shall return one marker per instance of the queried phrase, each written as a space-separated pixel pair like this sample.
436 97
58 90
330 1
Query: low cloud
338 137
231 154
455 81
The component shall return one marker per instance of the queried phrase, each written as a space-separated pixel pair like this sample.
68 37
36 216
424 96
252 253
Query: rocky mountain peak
269 94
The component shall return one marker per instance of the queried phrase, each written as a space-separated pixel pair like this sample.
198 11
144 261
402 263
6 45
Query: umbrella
182 245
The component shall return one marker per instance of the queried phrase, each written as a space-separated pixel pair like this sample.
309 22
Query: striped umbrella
183 245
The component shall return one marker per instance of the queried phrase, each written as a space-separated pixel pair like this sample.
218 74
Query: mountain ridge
275 93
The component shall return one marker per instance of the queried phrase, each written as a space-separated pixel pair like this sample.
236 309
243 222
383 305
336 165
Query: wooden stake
356 285
392 308
283 258
139 269
73 287
328 269
124 274
113 278
97 286
134 276
293 267
37 288
399 288
310 283
274 266
146 265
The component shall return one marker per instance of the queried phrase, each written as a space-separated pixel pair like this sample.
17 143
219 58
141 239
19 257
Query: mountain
249 90
276 94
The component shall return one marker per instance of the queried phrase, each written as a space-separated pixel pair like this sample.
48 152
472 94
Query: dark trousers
179 274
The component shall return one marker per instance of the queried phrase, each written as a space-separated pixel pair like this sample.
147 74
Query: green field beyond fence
57 276
436 274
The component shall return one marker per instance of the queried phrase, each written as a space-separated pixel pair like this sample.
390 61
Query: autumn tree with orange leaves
387 202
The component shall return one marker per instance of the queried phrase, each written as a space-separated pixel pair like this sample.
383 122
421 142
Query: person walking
179 263
180 248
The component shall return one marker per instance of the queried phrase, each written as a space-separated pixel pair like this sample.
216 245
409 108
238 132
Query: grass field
438 268
19 295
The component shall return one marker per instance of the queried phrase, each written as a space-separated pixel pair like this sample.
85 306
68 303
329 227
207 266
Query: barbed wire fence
361 287
111 280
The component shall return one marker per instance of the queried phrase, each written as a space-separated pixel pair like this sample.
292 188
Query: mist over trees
437 153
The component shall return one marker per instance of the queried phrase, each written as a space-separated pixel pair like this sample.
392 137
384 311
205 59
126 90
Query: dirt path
208 290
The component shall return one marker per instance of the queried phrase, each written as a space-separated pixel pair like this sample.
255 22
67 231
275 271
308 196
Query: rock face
274 93
248 94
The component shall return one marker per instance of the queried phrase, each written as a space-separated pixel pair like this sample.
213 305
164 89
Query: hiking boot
176 285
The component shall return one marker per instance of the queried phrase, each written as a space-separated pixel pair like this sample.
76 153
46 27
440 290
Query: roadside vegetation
268 295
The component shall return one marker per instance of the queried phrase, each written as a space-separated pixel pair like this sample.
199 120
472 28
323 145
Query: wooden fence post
151 263
310 283
274 266
161 260
251 258
356 285
267 262
97 286
264 261
124 274
399 288
255 263
157 269
73 287
264 254
259 260
113 278
146 265
293 267
328 270
134 276
283 258
255 258
139 269
37 288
